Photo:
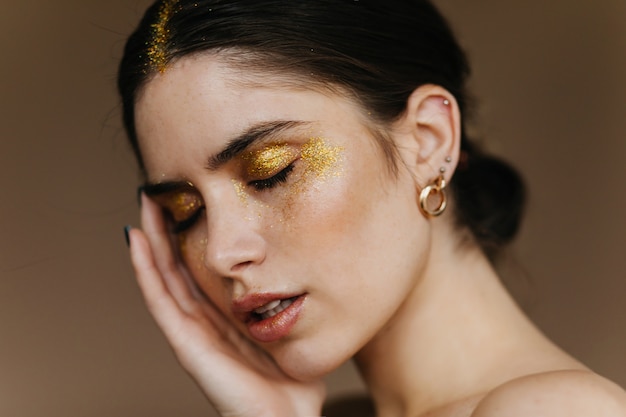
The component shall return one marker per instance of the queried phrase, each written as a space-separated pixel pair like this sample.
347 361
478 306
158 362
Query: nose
234 241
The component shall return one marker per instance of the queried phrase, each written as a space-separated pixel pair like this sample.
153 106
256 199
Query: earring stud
442 170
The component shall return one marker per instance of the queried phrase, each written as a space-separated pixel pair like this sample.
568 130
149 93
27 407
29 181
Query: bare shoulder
555 394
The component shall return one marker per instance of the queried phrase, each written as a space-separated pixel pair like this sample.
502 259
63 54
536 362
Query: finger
155 227
157 296
173 271
176 276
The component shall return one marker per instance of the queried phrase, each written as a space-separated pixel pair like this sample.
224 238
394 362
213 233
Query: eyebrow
253 134
234 147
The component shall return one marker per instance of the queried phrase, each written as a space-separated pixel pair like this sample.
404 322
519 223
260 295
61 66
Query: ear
429 134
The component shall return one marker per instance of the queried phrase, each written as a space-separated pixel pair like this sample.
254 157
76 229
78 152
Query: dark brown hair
377 51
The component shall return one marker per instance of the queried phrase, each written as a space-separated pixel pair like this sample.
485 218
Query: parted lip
243 308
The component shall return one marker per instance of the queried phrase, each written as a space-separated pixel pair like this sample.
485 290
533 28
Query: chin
306 364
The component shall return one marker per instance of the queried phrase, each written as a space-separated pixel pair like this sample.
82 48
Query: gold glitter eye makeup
269 161
322 158
183 205
272 165
273 181
184 209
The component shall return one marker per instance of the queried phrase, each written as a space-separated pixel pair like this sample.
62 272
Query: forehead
229 73
199 102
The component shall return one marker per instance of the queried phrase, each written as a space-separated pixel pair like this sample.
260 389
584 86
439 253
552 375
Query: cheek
322 165
338 205
327 207
360 235
191 244
192 249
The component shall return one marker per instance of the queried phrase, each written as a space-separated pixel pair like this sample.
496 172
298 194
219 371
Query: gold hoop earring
436 188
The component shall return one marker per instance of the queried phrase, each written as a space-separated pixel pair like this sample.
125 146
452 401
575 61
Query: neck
457 335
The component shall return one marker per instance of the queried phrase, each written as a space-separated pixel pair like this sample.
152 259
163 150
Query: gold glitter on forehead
157 48
322 158
270 160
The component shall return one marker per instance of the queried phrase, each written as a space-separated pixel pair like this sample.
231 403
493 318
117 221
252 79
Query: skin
445 339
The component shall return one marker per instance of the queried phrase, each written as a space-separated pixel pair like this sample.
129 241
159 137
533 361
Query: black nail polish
126 232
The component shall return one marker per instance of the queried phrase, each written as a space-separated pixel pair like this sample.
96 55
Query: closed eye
183 225
274 180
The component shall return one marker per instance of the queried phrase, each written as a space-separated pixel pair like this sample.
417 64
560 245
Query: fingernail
127 230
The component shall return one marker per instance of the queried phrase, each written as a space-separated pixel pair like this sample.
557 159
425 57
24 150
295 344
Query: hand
237 377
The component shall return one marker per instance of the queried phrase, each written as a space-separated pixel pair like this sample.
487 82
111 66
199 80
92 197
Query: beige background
75 339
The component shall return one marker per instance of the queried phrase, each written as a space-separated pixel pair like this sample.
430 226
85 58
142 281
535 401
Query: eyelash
273 181
180 227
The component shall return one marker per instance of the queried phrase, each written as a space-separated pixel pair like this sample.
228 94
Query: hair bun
490 197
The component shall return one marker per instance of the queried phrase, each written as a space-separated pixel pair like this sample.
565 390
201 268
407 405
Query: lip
273 328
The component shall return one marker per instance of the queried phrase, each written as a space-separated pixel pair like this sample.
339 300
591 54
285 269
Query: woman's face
282 201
